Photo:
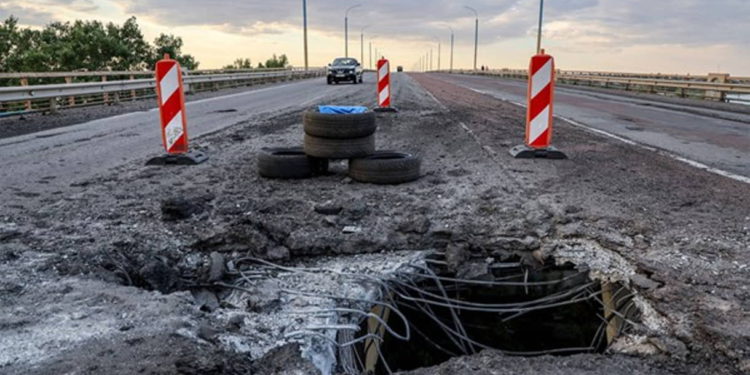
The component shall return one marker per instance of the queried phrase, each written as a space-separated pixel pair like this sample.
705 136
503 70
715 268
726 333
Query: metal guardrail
28 98
150 73
675 85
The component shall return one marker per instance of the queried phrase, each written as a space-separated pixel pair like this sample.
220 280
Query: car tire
339 126
289 163
385 167
329 148
329 80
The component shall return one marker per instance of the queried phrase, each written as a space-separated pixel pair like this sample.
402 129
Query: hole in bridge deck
555 310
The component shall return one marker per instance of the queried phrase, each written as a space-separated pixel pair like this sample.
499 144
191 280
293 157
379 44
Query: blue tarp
337 109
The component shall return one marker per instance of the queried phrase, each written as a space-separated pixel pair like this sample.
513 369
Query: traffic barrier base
526 152
385 110
188 158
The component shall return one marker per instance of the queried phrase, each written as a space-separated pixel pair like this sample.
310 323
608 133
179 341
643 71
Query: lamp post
362 45
346 29
539 31
451 67
371 39
476 33
304 24
438 51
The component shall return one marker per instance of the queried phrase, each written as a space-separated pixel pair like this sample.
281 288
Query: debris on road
644 255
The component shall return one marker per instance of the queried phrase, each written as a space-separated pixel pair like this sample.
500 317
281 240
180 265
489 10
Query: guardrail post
53 105
71 99
117 98
719 96
106 95
26 104
132 92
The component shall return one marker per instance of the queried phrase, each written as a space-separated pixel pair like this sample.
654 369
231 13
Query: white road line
436 100
692 163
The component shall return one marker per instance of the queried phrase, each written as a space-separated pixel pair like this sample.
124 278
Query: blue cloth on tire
338 109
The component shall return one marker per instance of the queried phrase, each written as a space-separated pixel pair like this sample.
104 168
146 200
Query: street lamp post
451 67
304 17
346 29
476 33
362 45
437 39
539 31
376 53
430 58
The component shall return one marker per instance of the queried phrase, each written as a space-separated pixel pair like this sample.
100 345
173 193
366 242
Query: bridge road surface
59 157
715 138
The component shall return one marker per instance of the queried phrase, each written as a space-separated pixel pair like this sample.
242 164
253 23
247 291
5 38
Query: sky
654 36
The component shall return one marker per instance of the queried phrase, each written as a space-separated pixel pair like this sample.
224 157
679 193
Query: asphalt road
49 161
715 138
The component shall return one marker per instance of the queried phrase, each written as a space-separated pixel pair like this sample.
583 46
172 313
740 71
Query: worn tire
339 126
385 167
330 148
289 163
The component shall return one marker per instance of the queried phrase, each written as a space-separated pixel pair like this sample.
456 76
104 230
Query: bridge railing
714 87
50 91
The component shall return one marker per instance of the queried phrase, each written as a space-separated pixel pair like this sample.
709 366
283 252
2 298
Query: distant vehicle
400 68
344 69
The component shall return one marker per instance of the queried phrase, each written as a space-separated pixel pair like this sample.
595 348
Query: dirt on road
104 277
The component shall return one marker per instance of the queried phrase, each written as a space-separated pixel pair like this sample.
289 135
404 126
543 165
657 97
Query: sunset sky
676 36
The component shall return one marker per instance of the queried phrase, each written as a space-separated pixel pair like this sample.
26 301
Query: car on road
400 68
344 69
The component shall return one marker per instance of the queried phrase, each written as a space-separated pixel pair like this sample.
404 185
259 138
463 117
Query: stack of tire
337 137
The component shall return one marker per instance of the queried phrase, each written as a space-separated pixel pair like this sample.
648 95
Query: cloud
577 27
649 22
596 23
26 15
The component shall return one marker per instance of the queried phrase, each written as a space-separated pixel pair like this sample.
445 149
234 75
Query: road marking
690 162
436 100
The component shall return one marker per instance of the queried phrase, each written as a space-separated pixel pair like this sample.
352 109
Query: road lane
52 160
715 138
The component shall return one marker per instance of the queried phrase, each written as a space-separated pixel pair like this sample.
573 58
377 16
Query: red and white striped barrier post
170 94
539 111
384 86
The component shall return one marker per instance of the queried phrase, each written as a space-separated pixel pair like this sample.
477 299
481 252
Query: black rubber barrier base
385 110
526 152
190 158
